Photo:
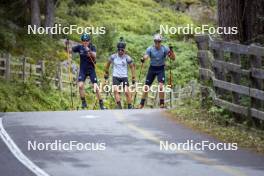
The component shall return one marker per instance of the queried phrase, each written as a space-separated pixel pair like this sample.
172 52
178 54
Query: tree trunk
49 16
230 13
247 15
35 13
254 21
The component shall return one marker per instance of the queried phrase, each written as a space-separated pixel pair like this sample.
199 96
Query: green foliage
105 43
211 3
38 47
15 11
138 16
7 39
87 2
185 66
220 115
28 97
135 20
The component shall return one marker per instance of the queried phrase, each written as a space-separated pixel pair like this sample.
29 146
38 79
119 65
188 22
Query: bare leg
116 93
81 89
128 95
98 94
117 97
82 94
161 94
144 96
161 91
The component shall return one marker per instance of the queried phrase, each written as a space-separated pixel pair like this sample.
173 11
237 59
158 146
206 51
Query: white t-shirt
120 64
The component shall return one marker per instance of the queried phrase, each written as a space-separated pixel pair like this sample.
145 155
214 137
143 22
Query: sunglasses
157 41
85 40
120 49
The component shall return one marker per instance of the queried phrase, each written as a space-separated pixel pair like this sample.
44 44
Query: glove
142 60
106 76
133 81
170 53
87 49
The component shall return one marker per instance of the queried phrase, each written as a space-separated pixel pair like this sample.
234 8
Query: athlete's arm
106 76
92 55
132 68
74 49
171 54
107 66
146 55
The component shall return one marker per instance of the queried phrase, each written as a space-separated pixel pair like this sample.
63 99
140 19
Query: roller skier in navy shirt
87 53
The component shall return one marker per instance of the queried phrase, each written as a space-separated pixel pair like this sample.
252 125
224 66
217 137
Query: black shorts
118 81
89 72
154 71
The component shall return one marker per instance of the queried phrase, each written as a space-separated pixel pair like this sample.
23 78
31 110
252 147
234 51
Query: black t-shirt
85 61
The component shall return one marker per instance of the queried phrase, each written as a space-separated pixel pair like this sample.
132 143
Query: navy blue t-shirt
85 61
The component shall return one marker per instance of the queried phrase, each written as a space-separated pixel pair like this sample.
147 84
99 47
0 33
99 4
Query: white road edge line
18 153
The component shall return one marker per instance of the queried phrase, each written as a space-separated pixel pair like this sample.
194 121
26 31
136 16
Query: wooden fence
172 98
20 69
233 74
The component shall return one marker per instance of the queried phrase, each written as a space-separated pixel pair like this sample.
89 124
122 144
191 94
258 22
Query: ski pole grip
171 48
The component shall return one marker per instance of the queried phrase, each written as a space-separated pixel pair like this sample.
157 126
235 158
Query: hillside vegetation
135 20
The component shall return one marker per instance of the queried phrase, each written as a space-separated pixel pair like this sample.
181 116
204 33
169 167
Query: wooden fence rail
234 73
20 69
13 68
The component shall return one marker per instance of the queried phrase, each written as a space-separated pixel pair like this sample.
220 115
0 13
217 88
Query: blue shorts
154 71
88 72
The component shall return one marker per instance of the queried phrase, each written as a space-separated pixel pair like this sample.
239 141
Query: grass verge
217 123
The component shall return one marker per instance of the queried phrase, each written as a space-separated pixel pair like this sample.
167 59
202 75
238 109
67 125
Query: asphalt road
131 140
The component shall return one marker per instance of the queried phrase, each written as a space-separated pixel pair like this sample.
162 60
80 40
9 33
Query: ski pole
69 69
109 91
171 77
94 65
135 97
95 104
